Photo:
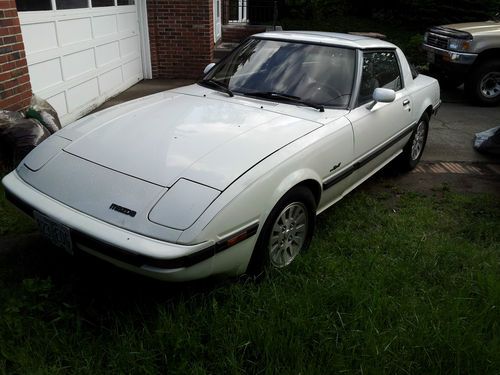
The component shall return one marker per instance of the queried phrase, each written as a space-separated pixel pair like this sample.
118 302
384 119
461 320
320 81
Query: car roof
337 39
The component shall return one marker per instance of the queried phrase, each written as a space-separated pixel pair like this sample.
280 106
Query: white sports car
227 175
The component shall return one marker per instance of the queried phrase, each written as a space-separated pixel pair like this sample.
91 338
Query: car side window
380 69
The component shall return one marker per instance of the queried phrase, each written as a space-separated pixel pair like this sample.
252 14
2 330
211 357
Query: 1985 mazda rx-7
226 176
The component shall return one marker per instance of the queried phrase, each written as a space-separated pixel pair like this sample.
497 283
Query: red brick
9 22
22 70
7 66
14 30
15 86
10 13
7 4
181 37
16 102
9 39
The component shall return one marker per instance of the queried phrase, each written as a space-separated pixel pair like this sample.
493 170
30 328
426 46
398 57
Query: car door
376 127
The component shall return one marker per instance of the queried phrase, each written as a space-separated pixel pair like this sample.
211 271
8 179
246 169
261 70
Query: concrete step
235 33
222 49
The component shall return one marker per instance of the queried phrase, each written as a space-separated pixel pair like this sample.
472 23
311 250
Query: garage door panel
74 31
132 69
128 22
59 103
78 63
79 58
110 80
104 25
82 94
31 37
130 46
45 74
108 53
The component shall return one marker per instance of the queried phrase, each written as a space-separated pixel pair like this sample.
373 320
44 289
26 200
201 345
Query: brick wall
15 87
236 34
181 36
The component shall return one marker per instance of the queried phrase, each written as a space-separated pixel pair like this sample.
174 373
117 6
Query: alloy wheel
418 141
288 235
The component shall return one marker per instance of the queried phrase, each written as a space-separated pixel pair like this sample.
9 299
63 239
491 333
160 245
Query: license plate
57 233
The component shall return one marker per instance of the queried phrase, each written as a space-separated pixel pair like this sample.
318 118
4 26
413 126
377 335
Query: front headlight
44 152
426 36
182 204
458 44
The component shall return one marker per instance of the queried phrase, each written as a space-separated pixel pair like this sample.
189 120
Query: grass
11 220
393 283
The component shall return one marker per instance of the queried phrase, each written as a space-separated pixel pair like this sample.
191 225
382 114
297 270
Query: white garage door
78 58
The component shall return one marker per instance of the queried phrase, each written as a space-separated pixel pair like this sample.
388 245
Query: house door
217 20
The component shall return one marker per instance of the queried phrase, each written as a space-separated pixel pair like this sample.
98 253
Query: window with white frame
71 4
30 5
34 5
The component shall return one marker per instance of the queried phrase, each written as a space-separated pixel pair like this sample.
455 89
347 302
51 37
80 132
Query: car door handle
406 102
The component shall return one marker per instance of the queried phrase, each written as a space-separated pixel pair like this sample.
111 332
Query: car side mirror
208 68
381 95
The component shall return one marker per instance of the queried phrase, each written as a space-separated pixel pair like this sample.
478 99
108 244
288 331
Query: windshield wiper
212 82
290 98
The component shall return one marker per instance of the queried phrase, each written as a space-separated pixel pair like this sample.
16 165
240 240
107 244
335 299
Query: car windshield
309 73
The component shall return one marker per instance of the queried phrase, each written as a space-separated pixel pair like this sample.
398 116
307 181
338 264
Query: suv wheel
483 83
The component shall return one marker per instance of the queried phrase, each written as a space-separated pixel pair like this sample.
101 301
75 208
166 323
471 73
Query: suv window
380 69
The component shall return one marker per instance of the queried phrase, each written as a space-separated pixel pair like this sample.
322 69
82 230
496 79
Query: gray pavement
452 130
143 88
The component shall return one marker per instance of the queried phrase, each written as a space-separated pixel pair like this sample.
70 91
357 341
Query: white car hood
203 136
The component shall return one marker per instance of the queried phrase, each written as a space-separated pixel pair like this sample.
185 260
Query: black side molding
435 109
348 171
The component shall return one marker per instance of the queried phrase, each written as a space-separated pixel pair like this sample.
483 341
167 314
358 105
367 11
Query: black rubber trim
140 260
367 159
436 108
223 244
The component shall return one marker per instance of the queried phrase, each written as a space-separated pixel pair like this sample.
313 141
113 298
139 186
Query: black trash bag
18 136
42 111
488 142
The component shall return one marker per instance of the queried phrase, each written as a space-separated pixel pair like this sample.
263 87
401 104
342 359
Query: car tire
414 148
483 84
295 213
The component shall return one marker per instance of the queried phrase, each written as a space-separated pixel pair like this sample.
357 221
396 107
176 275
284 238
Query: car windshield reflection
316 74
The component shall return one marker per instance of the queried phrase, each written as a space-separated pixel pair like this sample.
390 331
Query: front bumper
132 251
443 56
